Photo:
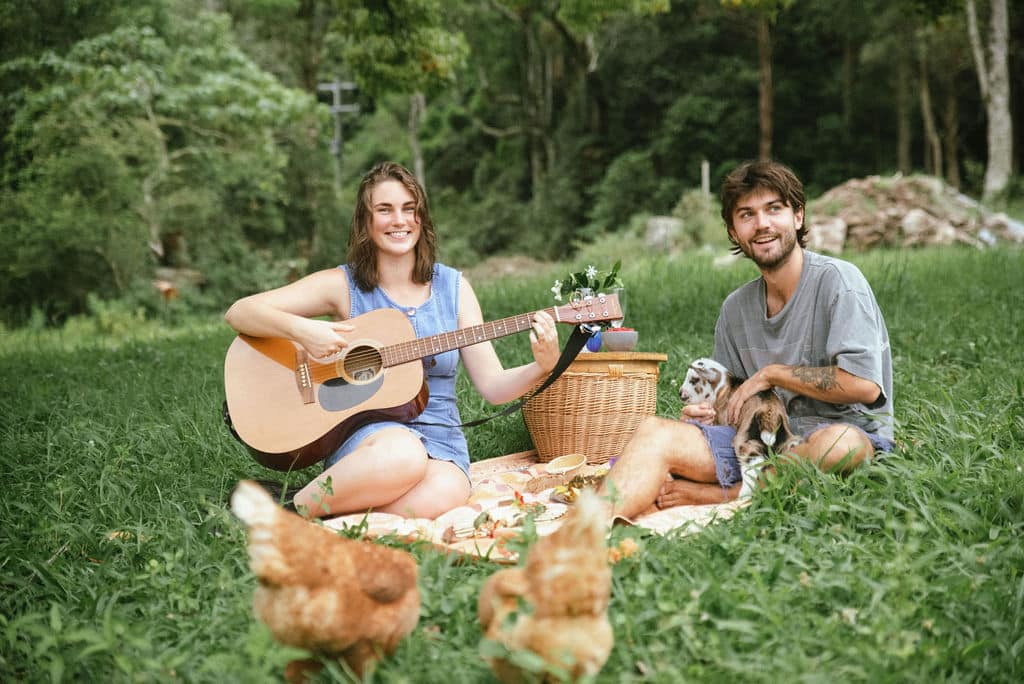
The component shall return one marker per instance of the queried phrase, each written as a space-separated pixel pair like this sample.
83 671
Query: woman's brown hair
362 253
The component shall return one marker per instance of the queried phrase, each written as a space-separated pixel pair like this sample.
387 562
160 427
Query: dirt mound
496 267
903 211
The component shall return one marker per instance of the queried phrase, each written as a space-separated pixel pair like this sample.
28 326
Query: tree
994 82
132 145
385 46
944 57
765 13
402 46
556 50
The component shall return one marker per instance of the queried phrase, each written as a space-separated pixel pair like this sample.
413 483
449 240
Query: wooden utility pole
336 87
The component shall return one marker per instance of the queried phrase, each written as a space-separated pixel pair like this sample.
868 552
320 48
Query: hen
349 600
556 606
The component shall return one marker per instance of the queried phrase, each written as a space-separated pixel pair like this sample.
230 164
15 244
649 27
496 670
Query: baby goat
763 422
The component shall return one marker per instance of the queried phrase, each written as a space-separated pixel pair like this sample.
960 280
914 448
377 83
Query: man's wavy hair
362 253
763 175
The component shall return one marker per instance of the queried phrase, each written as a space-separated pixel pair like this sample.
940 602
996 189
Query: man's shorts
727 466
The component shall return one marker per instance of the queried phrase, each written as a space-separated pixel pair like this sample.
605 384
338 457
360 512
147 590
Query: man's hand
702 413
758 382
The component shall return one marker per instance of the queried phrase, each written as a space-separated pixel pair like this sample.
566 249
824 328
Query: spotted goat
762 424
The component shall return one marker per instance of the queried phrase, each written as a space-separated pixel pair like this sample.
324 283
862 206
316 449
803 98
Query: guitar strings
403 352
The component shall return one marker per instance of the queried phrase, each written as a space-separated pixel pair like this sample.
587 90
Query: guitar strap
579 337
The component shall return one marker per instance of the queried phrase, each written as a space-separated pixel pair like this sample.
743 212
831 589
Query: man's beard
772 262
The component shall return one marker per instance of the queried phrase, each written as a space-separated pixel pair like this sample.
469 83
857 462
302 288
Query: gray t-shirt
832 319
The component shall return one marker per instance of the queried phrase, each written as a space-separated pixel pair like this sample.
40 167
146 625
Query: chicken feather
345 599
556 606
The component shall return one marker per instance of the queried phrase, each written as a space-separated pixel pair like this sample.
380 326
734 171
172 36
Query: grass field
119 562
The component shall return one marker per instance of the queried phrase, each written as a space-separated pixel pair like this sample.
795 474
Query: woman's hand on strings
544 341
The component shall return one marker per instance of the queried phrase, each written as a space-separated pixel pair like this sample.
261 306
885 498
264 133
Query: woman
413 470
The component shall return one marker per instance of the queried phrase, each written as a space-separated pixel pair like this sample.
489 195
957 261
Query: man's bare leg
837 448
687 493
658 448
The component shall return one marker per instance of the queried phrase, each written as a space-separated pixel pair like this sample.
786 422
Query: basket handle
615 370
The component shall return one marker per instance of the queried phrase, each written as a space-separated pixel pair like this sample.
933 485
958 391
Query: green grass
909 570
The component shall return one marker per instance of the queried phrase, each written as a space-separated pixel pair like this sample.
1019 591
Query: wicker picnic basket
595 405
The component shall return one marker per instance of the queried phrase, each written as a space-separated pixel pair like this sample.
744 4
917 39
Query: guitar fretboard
405 352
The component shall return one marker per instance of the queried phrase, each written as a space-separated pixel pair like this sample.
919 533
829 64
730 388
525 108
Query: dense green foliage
193 134
138 144
120 563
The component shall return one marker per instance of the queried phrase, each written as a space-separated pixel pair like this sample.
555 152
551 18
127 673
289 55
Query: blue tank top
439 314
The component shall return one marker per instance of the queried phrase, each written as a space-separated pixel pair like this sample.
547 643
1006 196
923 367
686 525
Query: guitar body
292 412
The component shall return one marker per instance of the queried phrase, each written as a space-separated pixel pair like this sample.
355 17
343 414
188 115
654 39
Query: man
808 328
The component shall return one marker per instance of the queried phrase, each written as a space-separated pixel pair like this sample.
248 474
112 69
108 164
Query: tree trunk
933 150
950 136
316 26
765 91
849 69
903 126
150 209
548 114
534 103
417 110
994 82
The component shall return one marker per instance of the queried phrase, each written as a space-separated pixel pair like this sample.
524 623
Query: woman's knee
397 448
444 487
450 490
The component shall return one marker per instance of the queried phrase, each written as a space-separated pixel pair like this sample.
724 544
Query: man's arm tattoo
823 379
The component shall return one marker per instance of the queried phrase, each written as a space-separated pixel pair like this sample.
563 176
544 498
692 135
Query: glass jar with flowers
591 281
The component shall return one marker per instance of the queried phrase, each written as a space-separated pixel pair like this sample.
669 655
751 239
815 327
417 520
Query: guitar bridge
302 376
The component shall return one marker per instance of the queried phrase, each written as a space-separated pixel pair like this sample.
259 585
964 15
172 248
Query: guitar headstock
599 308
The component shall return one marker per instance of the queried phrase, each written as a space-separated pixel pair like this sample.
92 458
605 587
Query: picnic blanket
505 490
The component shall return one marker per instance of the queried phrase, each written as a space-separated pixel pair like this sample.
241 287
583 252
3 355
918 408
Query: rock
829 235
1007 228
904 211
663 232
918 227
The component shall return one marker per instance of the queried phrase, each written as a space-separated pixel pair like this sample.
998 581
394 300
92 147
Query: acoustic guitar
292 410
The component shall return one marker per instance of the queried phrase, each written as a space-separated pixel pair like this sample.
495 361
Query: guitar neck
412 350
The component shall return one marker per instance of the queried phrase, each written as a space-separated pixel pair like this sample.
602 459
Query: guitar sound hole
362 364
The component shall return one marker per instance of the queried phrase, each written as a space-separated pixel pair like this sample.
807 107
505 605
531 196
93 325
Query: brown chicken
556 606
348 600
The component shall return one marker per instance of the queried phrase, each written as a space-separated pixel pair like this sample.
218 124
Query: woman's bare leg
444 487
382 469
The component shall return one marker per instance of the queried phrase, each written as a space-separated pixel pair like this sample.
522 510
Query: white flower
591 272
556 290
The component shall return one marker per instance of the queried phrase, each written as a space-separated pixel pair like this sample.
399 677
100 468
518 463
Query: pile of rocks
903 211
